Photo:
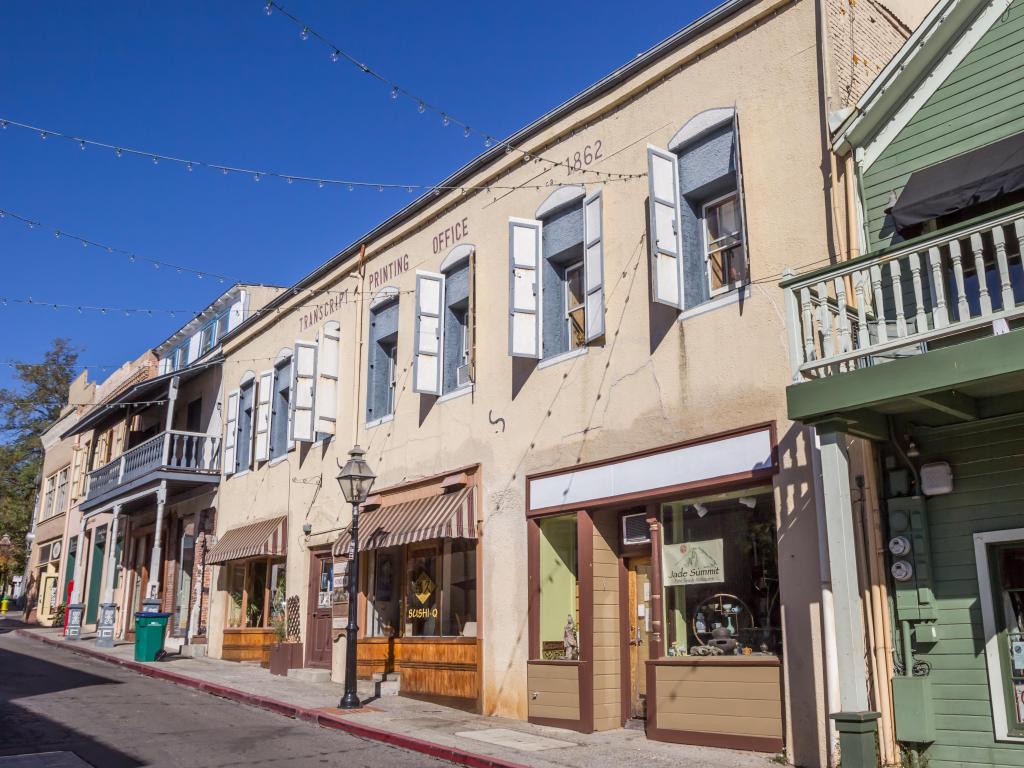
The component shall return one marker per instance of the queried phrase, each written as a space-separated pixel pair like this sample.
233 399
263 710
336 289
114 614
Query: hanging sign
693 562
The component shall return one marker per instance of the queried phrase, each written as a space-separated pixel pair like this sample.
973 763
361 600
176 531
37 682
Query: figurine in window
569 640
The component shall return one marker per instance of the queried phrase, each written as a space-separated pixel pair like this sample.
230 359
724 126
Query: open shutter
739 193
264 393
525 288
429 360
593 265
230 432
303 391
666 250
326 410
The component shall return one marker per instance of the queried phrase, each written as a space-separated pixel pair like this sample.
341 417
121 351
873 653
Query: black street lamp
355 479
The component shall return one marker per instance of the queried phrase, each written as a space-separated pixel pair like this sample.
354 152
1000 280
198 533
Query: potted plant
285 653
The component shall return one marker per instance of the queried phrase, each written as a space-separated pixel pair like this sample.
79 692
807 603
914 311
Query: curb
315 716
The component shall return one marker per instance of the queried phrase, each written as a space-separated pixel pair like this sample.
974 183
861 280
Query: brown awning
447 516
266 538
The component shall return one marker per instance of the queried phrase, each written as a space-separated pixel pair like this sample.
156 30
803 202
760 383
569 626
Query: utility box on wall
910 559
915 714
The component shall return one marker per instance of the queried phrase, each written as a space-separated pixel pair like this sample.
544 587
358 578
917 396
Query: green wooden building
917 347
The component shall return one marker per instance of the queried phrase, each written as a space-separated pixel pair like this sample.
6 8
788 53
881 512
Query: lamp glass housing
355 478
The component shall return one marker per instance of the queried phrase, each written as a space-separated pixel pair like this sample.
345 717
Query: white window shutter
264 393
593 265
429 361
303 391
325 411
666 240
230 433
525 287
741 201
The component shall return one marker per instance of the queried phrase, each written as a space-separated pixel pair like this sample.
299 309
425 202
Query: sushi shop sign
693 562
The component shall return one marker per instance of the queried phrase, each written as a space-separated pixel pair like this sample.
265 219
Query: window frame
283 372
63 484
240 438
577 267
985 545
49 496
740 243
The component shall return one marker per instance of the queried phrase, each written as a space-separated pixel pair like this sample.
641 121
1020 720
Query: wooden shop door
318 628
639 617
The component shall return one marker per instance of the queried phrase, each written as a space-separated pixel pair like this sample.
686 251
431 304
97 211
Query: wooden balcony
935 291
172 453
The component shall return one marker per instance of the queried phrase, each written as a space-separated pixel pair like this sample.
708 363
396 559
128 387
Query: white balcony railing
875 309
173 450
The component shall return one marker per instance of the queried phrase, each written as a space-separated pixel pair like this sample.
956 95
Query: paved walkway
505 741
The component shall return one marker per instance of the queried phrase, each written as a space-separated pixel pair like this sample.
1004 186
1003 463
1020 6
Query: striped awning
447 516
266 538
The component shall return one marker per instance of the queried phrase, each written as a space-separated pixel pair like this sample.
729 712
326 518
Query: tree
26 411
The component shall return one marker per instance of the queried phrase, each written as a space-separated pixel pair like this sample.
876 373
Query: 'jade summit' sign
693 562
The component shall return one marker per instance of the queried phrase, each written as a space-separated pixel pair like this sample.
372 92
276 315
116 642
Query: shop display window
720 575
559 588
426 589
256 593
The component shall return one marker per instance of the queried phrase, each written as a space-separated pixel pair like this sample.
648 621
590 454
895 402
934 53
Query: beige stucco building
567 366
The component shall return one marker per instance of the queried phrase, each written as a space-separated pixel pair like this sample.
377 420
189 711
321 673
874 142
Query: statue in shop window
570 641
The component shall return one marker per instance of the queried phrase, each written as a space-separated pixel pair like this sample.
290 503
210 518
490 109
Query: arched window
556 275
698 235
445 321
382 355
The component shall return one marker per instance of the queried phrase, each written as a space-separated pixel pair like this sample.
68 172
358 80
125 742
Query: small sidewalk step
311 675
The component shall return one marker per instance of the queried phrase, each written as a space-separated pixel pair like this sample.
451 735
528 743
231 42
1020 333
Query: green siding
988 495
981 101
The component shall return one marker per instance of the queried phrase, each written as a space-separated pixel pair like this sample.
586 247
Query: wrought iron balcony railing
899 302
173 450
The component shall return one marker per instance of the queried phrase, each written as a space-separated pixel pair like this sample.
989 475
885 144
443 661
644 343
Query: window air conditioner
462 375
635 529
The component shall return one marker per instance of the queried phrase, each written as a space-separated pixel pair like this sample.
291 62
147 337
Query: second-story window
280 406
49 496
698 240
60 505
556 291
445 310
238 437
382 363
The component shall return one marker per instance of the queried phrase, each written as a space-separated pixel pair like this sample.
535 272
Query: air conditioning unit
462 377
635 529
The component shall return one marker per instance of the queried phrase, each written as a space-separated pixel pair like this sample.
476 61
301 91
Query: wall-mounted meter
902 570
899 546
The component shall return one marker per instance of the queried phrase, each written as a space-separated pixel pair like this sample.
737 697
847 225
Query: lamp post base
350 701
73 630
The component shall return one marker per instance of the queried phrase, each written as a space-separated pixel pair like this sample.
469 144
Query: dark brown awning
447 516
266 538
959 183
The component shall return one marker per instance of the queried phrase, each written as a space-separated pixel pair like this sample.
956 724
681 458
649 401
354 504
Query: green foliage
27 410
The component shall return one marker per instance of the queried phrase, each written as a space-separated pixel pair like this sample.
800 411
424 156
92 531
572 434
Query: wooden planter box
285 656
248 644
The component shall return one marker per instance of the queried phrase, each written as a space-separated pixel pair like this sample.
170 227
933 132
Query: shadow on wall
800 595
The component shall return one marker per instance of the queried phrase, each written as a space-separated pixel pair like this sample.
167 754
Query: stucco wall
653 382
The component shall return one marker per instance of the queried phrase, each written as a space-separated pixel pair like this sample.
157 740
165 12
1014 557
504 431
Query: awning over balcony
959 183
447 516
266 538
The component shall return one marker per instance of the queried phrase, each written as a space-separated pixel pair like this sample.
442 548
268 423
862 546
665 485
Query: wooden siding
554 690
980 102
607 630
434 667
740 699
988 495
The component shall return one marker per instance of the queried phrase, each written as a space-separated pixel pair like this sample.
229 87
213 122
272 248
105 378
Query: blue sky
223 82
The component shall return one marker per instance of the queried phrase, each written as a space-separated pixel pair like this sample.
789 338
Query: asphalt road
52 700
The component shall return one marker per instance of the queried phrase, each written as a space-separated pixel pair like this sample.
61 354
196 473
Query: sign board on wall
693 562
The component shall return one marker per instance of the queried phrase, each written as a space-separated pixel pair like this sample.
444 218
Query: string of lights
133 257
291 178
422 105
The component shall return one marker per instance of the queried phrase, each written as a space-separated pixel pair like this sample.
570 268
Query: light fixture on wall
701 510
748 501
912 450
307 528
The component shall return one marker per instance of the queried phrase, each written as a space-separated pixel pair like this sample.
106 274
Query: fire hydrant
3 605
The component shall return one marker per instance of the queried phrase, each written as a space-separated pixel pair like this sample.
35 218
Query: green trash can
149 635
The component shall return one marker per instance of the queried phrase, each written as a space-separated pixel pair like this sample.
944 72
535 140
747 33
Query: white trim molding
982 541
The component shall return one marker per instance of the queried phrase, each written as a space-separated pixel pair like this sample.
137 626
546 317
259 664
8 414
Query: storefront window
559 593
720 575
422 590
256 591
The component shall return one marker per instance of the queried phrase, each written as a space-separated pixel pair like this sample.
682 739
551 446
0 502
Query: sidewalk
452 734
